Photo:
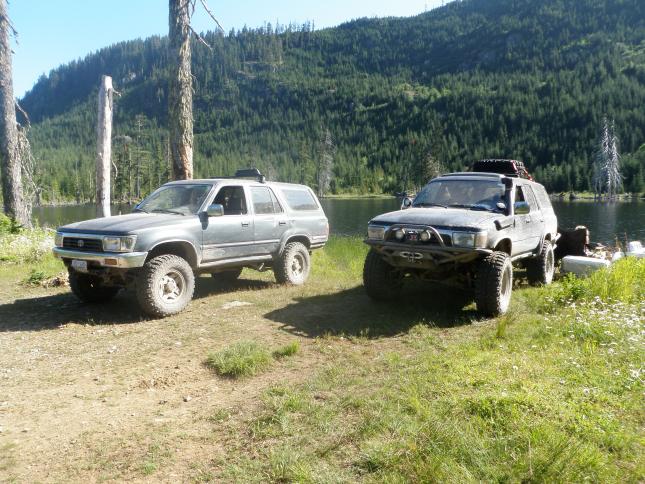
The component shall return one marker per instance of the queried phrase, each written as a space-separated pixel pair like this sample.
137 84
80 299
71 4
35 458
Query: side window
277 208
530 197
262 201
232 199
519 194
300 199
543 198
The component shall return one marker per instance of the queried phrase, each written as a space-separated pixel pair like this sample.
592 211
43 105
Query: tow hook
411 256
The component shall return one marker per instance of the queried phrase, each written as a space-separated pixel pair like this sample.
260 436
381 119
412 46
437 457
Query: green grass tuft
287 350
245 358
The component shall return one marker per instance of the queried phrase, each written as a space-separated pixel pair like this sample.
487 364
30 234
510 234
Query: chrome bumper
126 260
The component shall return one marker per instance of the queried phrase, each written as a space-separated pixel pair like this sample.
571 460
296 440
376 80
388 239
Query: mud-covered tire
227 276
494 284
293 265
165 285
539 271
90 289
382 281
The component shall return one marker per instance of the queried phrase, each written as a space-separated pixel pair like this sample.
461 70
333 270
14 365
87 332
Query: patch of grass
245 358
341 260
553 397
287 350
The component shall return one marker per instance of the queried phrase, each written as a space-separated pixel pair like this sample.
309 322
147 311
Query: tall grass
623 281
18 245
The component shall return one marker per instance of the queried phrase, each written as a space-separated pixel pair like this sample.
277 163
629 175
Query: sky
54 32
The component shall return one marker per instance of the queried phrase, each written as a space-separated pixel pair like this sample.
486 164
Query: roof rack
511 168
252 173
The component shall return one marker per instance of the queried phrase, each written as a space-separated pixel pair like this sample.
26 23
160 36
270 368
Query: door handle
245 224
528 220
282 222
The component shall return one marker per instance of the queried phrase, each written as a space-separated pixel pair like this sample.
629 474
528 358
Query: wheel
165 285
293 265
227 276
539 271
90 289
382 281
494 284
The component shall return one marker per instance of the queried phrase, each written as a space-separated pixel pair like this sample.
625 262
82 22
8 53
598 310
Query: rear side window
300 199
543 197
264 201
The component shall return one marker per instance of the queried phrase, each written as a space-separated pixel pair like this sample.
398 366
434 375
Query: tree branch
24 113
199 37
208 11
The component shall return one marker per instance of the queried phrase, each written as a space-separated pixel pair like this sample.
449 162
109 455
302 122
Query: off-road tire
494 284
539 271
90 289
382 281
227 276
156 291
293 265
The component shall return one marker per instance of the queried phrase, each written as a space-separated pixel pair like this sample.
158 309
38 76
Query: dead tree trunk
10 164
104 148
180 97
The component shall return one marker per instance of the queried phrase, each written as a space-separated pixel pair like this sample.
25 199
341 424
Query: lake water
606 220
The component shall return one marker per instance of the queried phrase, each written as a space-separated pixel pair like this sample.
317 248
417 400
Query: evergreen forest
389 100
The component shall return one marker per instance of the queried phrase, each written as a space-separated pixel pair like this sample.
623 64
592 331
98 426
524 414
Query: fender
304 237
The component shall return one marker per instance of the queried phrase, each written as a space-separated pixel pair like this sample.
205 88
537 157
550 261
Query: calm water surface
606 220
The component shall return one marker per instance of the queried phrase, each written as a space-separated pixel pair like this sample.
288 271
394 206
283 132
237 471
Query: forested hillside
528 79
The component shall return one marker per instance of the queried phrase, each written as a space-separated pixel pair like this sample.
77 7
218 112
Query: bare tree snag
10 163
104 148
180 97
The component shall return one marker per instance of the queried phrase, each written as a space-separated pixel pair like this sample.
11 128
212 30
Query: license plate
413 237
79 265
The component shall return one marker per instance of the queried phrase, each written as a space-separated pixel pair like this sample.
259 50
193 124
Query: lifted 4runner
217 226
465 228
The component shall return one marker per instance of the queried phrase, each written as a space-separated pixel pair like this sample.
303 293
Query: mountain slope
476 78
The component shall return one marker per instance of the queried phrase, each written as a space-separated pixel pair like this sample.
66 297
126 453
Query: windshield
175 199
473 194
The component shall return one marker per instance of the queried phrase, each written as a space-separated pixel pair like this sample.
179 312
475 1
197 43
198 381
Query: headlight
375 232
119 244
58 239
399 234
469 239
425 236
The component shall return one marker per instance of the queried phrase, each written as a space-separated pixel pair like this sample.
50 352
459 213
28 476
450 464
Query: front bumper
416 256
127 260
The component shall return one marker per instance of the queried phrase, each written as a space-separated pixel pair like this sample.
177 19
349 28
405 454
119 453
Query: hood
439 217
128 224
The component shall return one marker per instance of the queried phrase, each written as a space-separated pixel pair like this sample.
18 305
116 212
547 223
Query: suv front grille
82 244
412 236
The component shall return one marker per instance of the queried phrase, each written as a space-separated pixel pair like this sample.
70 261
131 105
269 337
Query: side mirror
521 208
215 210
407 203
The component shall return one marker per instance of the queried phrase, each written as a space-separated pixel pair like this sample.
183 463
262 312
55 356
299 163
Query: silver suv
217 226
468 229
